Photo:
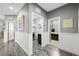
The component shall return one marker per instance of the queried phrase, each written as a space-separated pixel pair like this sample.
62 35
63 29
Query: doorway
11 30
54 30
37 31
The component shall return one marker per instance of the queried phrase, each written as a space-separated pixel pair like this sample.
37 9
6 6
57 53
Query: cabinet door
39 39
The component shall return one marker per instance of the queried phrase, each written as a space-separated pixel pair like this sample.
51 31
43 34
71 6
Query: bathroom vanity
54 36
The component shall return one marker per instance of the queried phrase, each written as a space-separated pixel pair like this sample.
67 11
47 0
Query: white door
11 31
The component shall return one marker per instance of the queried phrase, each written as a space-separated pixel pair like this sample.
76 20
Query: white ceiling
50 6
5 10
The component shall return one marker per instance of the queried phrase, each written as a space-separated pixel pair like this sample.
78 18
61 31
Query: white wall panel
69 42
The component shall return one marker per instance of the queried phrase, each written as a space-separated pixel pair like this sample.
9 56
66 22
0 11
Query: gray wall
10 17
69 11
25 12
78 18
32 8
26 41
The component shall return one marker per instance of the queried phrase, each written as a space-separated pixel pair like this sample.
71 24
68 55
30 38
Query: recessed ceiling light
11 8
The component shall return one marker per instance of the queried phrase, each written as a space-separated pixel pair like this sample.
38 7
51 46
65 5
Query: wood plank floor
48 50
13 49
51 50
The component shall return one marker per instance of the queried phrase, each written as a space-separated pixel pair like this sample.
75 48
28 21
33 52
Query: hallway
22 21
13 49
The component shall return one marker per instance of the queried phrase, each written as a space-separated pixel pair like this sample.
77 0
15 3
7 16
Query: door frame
54 19
8 29
38 15
35 14
58 26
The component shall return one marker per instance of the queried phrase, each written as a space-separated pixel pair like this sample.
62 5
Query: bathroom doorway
54 30
37 31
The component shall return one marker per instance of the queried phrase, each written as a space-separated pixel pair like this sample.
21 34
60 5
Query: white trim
49 29
37 16
53 19
14 28
32 26
6 30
